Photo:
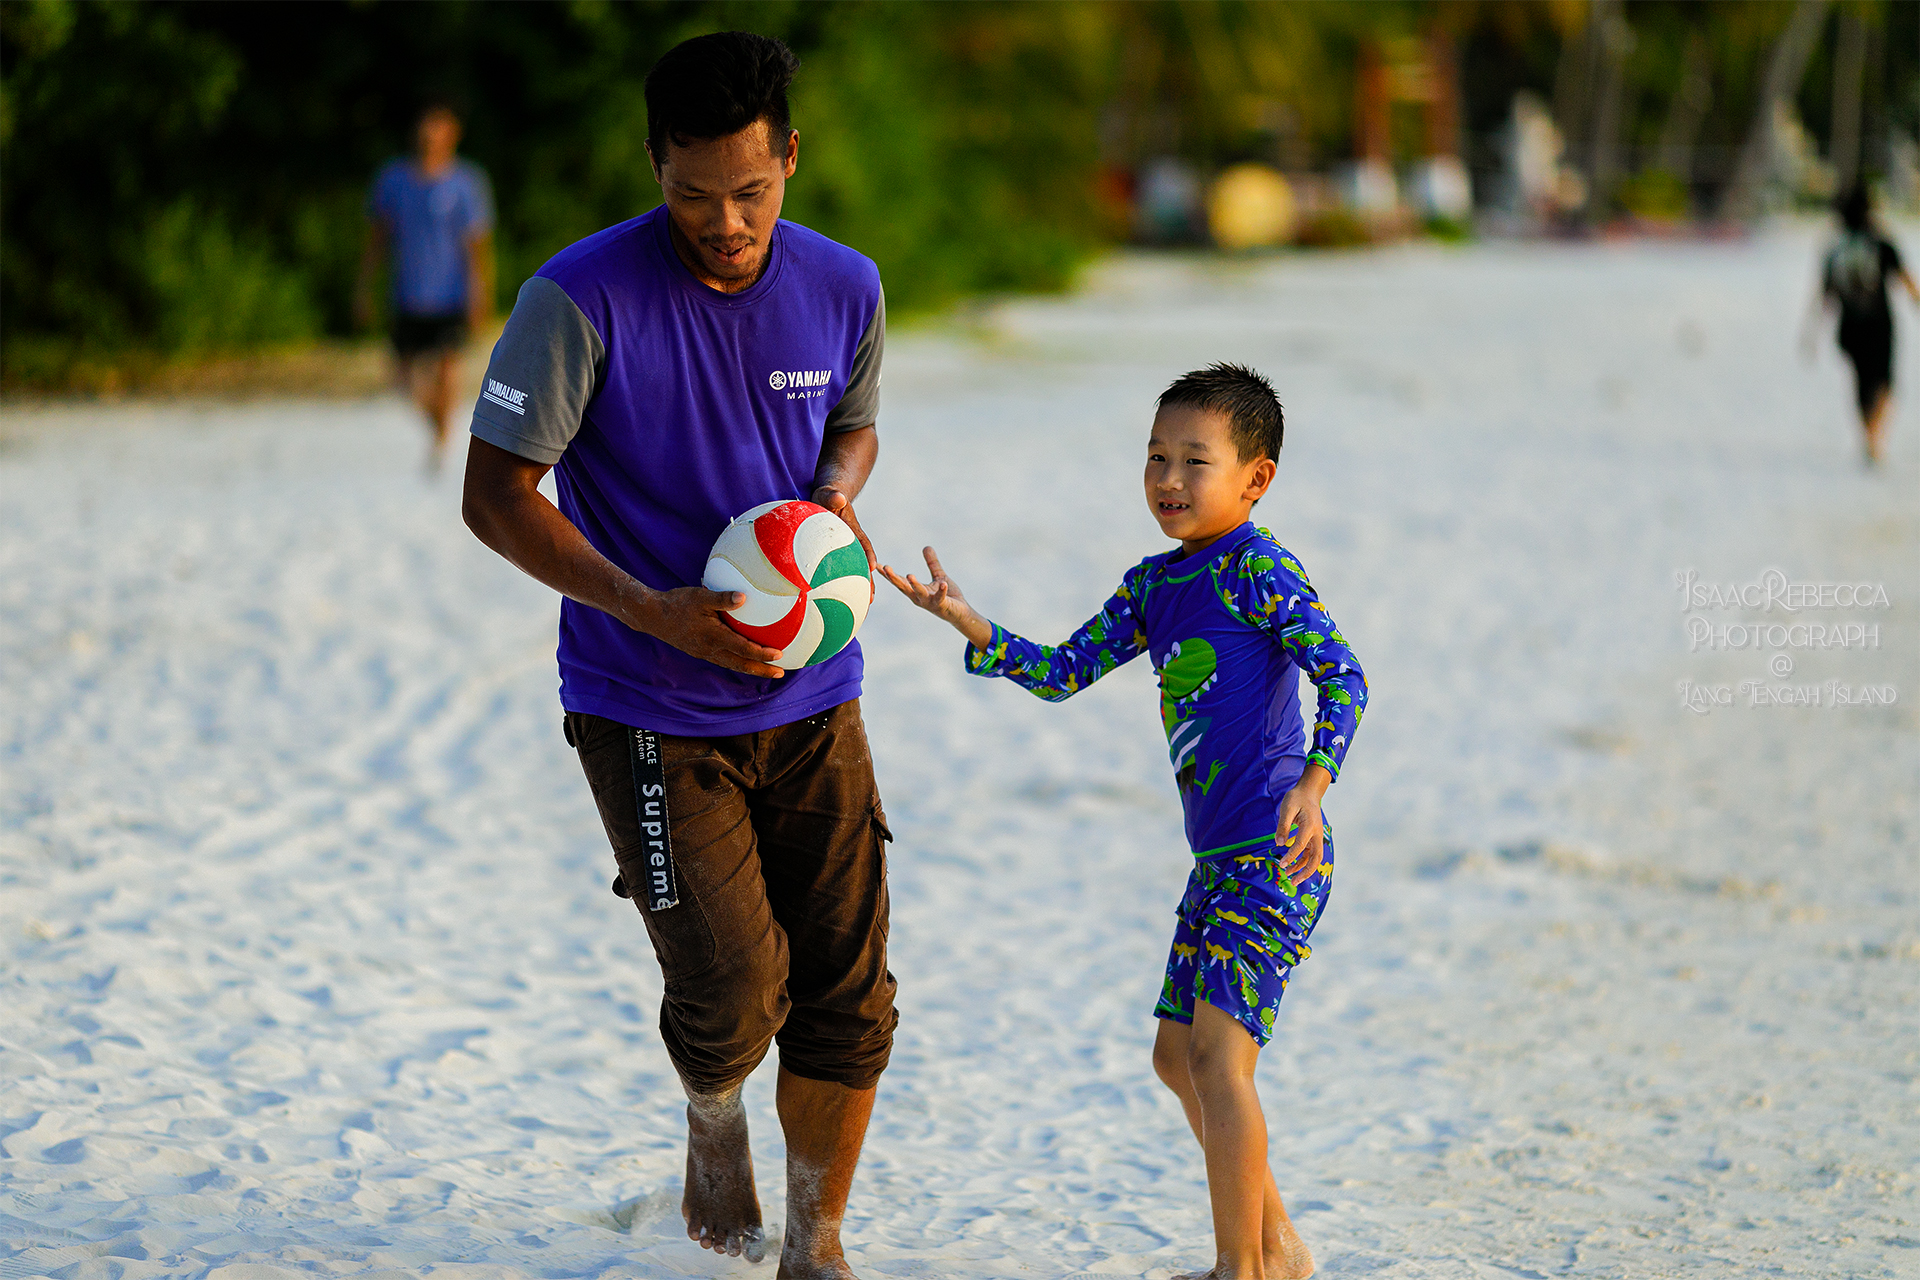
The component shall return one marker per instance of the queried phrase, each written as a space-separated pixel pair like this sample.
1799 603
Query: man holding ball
675 371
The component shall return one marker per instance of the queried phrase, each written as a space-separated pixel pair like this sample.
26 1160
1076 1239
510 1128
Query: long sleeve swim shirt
1229 630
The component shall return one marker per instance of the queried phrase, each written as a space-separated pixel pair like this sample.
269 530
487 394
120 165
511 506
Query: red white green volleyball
805 577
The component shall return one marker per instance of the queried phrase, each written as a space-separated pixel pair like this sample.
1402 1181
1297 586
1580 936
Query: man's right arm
504 507
545 370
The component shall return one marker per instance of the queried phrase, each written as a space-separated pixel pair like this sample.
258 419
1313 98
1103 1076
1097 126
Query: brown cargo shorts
779 932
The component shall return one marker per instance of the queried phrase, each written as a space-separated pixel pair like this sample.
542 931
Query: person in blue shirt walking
431 216
1230 623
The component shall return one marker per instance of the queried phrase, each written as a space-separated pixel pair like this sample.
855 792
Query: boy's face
1197 486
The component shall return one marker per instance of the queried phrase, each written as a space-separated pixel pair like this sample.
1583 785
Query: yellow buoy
1250 206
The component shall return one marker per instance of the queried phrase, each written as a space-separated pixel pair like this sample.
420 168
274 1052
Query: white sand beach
308 964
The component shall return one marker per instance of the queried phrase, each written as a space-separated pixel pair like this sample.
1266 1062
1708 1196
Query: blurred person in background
430 216
1854 280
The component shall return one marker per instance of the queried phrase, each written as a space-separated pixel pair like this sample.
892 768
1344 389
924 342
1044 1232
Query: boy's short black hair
1254 417
714 85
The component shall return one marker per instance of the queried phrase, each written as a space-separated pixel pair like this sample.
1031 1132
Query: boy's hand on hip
1302 831
940 596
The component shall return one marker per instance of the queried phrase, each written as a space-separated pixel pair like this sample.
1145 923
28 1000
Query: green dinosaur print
1191 666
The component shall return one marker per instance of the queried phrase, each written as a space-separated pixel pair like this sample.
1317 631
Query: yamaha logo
801 384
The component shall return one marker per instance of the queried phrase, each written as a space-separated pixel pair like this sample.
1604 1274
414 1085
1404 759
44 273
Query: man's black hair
1255 420
1854 207
714 85
438 102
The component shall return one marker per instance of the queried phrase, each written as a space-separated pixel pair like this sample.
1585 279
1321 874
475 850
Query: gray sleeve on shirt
546 367
861 404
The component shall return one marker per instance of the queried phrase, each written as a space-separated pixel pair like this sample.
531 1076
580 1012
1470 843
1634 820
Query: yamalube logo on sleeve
506 397
800 384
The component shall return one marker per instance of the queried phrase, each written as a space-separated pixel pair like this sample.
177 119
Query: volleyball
805 577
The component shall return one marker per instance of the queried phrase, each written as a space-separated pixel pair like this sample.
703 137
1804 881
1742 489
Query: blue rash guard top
1229 630
667 408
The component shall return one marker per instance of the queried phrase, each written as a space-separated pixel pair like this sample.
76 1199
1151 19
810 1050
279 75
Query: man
651 366
433 215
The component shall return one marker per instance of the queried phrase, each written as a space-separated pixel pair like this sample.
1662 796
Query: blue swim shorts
1242 928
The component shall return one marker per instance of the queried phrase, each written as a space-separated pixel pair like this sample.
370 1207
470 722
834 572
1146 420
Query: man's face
724 195
1197 486
437 134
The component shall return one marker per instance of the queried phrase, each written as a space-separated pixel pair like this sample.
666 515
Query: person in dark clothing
1854 280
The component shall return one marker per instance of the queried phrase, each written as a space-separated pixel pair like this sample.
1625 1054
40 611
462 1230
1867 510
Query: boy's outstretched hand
940 596
1302 832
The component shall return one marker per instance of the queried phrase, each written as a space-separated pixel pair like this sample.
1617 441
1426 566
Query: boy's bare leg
1282 1252
1281 1247
825 1124
719 1204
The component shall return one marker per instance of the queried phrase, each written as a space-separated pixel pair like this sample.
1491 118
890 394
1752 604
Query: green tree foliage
191 177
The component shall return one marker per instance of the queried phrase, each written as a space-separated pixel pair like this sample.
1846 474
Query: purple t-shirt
667 409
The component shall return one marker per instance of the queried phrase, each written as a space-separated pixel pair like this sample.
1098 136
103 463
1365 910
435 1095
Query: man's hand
846 460
504 507
940 596
692 620
837 502
1302 832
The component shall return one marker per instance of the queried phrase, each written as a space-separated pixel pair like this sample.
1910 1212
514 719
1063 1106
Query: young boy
1228 619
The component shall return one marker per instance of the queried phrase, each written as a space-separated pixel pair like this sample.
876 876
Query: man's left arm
846 460
852 442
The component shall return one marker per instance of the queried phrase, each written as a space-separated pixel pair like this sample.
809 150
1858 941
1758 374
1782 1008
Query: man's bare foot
809 1250
795 1266
721 1209
824 1123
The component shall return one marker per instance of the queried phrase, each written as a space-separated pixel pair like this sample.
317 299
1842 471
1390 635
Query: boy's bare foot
721 1209
1284 1256
1287 1256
